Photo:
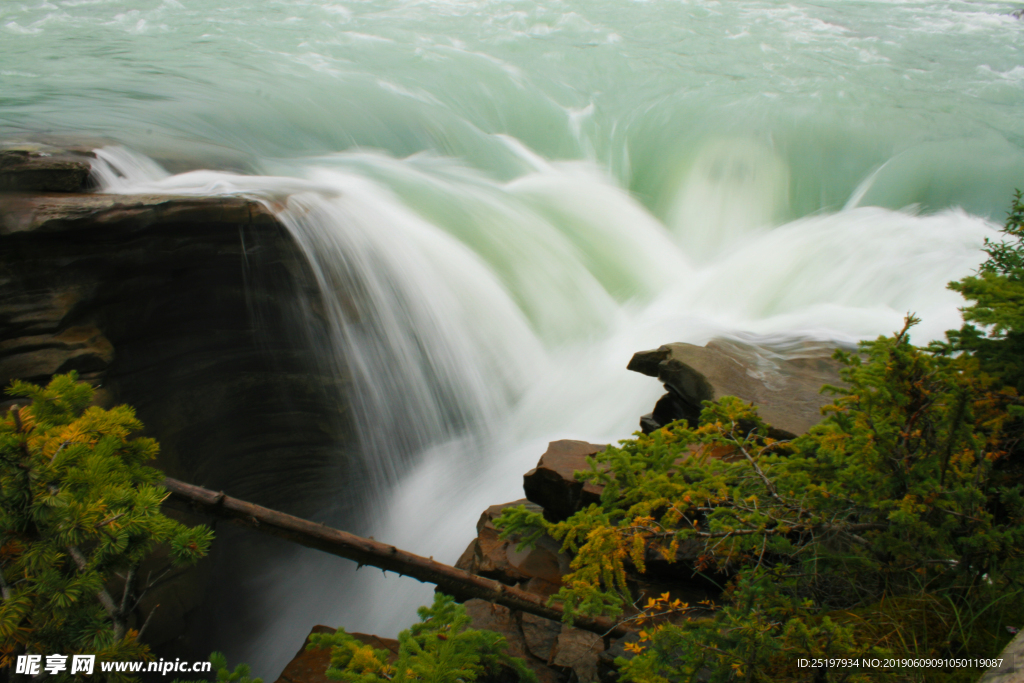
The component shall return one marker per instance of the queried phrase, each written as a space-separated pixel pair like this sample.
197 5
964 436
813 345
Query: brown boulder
555 652
487 616
784 383
541 636
538 569
552 484
579 650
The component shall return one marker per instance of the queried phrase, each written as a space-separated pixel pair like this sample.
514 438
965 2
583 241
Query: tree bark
451 580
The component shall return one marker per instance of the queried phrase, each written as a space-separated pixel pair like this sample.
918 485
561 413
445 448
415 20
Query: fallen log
366 551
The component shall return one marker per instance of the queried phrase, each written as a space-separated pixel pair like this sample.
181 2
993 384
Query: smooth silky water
521 194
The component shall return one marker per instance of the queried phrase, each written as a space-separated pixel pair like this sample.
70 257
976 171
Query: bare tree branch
366 551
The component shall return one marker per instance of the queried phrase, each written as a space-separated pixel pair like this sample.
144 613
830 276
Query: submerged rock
785 385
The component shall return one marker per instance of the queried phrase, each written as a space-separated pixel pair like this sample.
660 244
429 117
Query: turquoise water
526 193
833 88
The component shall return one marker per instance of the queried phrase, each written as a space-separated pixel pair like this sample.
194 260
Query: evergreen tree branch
102 595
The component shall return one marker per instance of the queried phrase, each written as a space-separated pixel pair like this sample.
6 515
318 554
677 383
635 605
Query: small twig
111 520
959 514
764 544
18 427
57 452
146 622
158 581
129 584
102 595
645 615
16 414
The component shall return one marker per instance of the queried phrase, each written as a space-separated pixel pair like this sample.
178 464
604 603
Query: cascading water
502 200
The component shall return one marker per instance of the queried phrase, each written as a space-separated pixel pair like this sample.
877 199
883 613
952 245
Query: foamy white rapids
503 200
477 334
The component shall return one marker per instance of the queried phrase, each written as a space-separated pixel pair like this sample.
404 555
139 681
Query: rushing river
525 192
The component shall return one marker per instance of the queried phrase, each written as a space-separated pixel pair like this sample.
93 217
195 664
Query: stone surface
43 168
500 619
555 652
202 313
578 650
784 383
308 666
552 484
541 636
537 569
1012 669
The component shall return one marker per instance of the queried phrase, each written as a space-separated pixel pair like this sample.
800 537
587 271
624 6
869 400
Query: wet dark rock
607 672
784 384
202 313
552 483
34 167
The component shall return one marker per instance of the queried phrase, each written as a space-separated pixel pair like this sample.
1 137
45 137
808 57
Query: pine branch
102 595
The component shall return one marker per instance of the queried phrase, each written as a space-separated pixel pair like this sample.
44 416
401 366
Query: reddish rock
308 666
538 569
552 483
553 651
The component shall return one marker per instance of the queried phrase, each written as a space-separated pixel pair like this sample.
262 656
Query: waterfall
475 334
502 201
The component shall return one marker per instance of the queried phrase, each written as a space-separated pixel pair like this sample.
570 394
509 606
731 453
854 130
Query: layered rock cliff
198 311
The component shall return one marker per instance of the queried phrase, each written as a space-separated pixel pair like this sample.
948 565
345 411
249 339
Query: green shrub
886 530
439 649
893 528
993 329
79 513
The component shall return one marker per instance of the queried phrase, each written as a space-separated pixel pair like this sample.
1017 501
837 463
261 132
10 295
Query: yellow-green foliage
895 527
900 497
440 649
79 512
